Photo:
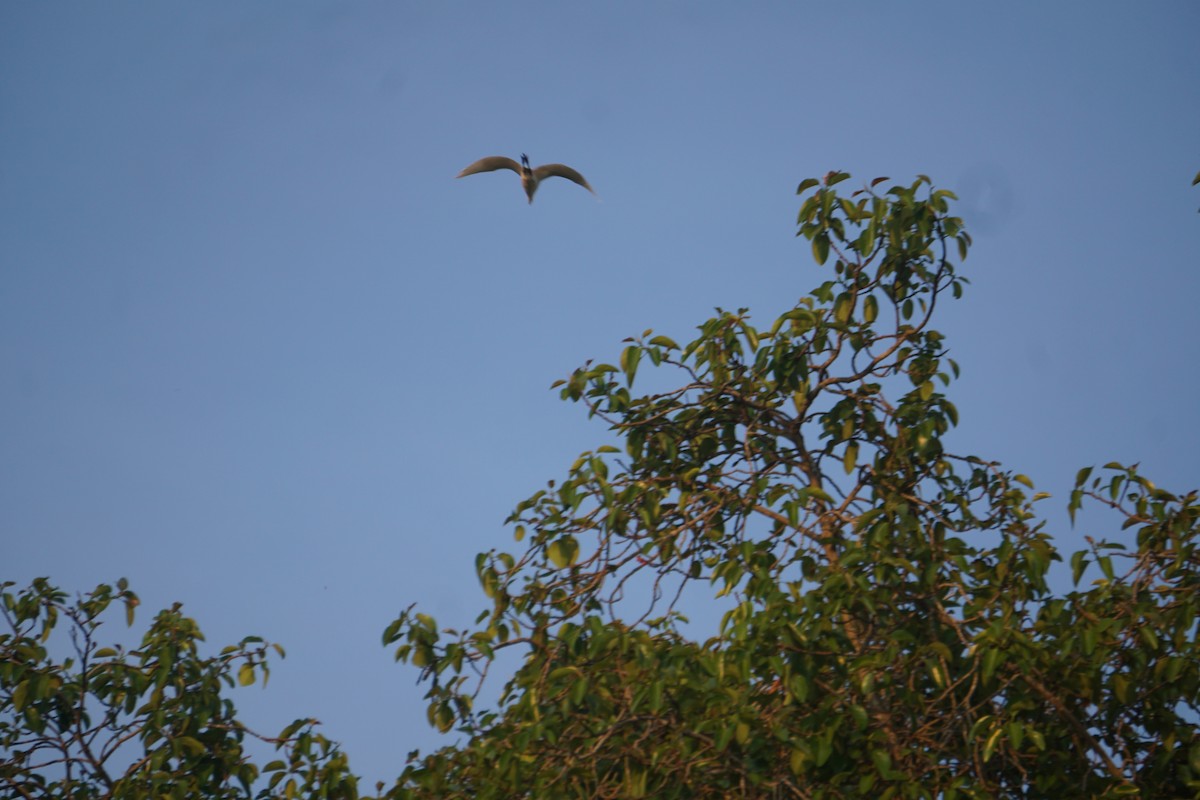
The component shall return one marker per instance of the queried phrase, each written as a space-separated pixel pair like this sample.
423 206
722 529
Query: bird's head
524 161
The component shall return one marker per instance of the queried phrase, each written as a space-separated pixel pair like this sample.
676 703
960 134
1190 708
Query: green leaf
1079 563
291 730
246 674
664 341
866 240
870 309
850 458
859 714
842 307
724 736
442 717
630 357
20 695
751 336
1075 504
807 184
191 745
824 751
563 551
1016 734
1082 476
820 247
991 658
1120 686
801 318
990 745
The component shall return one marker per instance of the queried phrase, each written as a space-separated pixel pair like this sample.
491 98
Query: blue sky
262 354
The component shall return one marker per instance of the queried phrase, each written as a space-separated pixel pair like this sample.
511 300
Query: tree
889 629
103 722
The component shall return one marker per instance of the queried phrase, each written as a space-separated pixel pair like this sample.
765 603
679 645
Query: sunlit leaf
563 551
664 341
20 695
630 357
989 747
246 674
842 307
850 457
870 309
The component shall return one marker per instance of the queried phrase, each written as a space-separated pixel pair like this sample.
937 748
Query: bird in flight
530 176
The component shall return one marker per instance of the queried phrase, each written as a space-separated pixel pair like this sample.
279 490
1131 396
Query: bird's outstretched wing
490 164
561 171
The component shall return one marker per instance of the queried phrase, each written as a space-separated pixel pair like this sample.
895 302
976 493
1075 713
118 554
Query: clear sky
262 354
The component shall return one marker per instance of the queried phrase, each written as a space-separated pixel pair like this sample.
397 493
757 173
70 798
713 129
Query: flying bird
530 176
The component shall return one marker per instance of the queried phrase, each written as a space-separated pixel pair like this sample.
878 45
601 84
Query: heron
530 176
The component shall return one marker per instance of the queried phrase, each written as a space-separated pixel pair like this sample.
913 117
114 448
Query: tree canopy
79 719
890 630
888 624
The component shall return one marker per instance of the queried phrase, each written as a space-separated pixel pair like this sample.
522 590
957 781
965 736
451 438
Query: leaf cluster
889 626
154 721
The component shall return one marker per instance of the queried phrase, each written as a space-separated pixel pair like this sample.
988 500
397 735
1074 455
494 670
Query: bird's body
530 176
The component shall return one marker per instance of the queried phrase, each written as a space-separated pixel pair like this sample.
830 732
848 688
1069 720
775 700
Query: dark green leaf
807 184
820 247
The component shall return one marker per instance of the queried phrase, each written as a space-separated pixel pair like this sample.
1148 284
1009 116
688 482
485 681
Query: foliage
889 627
104 722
